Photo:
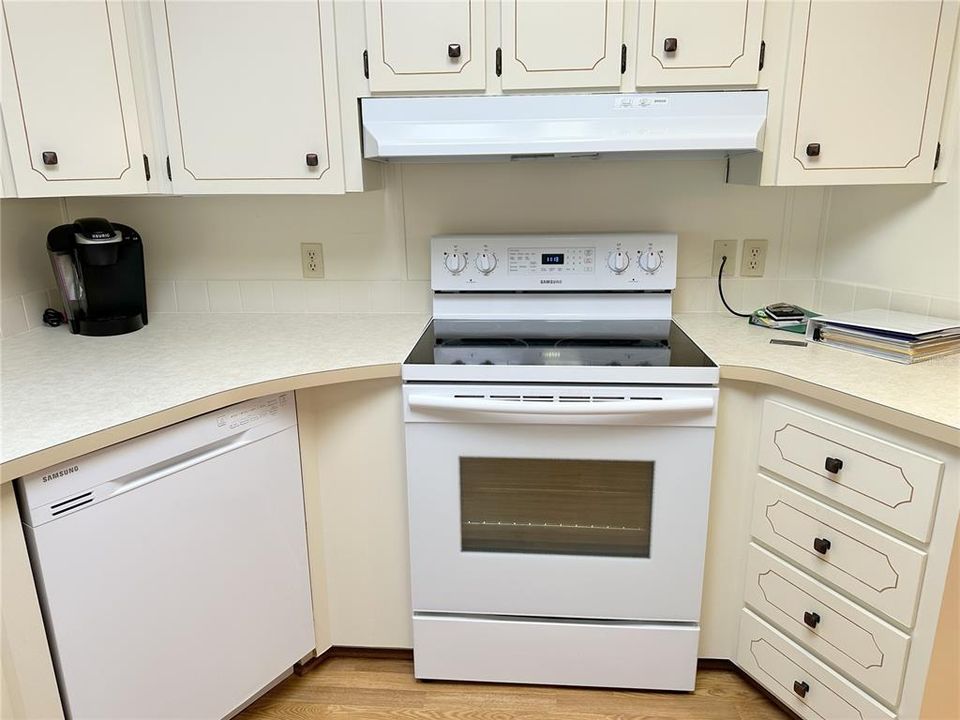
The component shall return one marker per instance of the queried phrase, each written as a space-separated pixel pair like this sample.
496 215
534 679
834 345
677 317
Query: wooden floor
349 688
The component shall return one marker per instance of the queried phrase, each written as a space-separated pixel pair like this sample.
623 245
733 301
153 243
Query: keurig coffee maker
99 270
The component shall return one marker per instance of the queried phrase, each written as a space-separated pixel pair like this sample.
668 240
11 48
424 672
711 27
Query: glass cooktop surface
589 343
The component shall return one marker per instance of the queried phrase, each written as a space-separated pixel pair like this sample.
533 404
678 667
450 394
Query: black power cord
53 318
723 261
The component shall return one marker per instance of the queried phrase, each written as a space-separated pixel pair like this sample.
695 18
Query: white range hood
512 127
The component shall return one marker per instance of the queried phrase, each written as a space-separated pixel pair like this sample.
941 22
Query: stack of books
902 337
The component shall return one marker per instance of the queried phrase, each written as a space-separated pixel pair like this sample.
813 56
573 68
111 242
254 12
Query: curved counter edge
25 464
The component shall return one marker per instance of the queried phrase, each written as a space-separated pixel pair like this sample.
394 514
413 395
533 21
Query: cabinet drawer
889 483
798 679
875 568
862 646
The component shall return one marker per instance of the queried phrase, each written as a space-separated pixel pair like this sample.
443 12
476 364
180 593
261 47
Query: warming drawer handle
521 407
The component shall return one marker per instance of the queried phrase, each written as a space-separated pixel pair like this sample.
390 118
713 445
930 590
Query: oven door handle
552 407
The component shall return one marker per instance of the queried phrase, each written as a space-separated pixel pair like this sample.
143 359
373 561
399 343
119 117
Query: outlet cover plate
311 258
721 248
754 259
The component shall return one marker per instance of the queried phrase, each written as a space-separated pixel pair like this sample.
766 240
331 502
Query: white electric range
559 432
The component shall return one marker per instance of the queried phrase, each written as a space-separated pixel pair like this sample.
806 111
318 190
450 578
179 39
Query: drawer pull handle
821 545
833 465
811 618
800 688
670 45
813 150
50 158
312 160
453 50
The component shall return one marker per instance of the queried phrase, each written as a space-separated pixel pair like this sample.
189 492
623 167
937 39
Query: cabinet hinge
499 65
763 54
623 58
169 174
366 65
146 166
936 158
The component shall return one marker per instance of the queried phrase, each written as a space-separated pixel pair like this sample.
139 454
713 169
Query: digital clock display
551 259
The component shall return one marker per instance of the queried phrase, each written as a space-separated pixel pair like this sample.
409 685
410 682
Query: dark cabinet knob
811 618
833 465
453 50
813 149
821 545
50 158
312 160
800 688
670 45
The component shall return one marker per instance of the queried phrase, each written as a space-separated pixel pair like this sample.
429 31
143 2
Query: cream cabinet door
249 95
548 44
68 102
865 91
699 42
425 45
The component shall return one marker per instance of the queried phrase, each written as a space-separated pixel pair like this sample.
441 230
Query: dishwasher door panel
185 596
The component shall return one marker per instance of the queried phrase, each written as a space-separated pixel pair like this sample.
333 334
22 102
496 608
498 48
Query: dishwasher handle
651 406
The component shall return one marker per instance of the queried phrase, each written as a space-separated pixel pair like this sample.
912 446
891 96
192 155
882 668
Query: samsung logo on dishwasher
60 473
550 282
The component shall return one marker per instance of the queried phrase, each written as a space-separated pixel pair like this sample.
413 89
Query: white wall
894 246
242 253
25 274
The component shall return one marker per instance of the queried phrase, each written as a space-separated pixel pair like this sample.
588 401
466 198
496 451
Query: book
889 334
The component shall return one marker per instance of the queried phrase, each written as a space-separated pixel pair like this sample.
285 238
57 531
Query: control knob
650 261
618 261
455 262
486 262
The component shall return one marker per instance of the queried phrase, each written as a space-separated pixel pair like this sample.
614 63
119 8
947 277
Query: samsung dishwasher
172 568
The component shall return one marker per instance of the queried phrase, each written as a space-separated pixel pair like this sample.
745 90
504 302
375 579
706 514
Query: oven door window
558 507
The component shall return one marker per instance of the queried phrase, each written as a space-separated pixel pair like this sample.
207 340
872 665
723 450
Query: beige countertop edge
904 420
118 433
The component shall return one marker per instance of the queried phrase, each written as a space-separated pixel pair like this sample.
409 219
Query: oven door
559 501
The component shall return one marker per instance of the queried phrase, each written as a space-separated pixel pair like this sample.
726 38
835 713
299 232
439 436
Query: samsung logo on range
60 473
550 282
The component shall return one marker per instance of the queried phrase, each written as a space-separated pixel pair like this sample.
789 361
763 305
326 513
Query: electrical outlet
721 248
754 258
311 258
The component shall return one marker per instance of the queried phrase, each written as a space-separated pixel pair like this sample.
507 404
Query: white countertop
928 391
62 395
56 387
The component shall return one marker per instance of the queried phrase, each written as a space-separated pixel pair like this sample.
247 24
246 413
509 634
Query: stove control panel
599 262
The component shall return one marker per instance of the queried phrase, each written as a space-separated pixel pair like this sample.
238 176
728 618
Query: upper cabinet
68 101
698 42
547 44
425 45
864 92
249 95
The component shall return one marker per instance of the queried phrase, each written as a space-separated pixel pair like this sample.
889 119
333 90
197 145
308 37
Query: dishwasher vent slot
71 504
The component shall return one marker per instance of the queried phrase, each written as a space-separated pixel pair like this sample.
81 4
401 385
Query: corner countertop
63 395
923 398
